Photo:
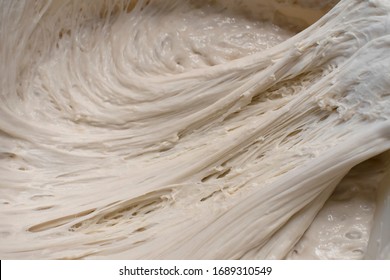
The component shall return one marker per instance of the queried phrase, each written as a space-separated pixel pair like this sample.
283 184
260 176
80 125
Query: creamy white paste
194 129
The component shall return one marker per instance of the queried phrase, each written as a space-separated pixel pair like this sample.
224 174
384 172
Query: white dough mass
183 129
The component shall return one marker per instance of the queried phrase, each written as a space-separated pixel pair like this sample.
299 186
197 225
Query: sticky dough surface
194 129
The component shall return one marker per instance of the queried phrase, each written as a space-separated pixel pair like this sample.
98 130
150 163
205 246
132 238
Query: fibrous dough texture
194 129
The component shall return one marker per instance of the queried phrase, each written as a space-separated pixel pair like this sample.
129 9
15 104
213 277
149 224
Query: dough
194 129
